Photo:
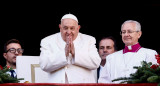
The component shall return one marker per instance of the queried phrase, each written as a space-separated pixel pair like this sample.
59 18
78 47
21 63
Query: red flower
157 55
8 67
158 58
158 61
154 66
1 67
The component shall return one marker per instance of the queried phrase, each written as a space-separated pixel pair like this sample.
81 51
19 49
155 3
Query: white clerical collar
133 48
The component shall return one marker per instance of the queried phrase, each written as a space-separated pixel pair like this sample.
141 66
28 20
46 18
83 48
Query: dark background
29 22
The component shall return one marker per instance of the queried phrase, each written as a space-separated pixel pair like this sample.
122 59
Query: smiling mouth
127 38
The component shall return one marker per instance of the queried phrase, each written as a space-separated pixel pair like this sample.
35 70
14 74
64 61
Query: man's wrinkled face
69 28
129 34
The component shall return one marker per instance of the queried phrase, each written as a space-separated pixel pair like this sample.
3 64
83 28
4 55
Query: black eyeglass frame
19 50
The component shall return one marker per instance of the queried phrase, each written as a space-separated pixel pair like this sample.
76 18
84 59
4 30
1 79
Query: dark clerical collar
133 48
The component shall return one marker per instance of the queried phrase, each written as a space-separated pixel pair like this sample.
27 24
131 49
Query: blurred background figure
107 45
12 49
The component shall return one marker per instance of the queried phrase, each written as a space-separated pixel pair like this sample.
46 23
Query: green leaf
153 79
6 78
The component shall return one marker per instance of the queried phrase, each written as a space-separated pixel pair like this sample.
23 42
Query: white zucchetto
71 16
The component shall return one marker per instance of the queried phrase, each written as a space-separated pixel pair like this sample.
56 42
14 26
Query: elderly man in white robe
69 56
121 63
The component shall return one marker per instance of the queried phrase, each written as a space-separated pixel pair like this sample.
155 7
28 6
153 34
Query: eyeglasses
13 50
129 32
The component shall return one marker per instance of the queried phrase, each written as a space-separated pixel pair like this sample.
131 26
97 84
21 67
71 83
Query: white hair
138 25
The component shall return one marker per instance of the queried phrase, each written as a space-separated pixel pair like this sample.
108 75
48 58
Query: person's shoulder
115 54
52 36
148 50
85 36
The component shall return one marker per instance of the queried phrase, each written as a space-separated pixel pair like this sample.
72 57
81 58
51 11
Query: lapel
98 72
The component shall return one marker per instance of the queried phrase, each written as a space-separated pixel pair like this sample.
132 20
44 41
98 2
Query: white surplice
121 65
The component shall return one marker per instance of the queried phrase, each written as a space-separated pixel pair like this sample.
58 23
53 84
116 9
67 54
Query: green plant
147 73
5 77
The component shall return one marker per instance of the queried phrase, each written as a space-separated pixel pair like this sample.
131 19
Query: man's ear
5 55
59 26
79 26
140 33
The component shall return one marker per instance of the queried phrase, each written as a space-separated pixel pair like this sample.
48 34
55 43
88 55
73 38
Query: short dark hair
112 38
9 42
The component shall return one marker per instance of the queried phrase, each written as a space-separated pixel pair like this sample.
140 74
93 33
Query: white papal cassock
64 69
120 64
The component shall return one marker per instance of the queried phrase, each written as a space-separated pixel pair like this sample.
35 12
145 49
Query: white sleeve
87 56
151 56
51 57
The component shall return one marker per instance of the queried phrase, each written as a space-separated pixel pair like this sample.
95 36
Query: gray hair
138 25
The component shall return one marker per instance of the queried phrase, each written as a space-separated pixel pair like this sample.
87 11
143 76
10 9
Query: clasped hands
69 48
